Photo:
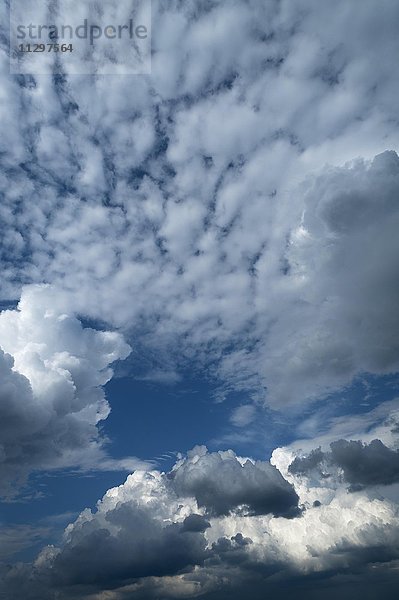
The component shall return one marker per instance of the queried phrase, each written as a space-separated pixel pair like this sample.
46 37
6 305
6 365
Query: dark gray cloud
362 464
221 484
140 547
195 523
366 464
304 464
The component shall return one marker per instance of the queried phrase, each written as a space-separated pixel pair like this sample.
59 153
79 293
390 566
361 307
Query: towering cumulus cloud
161 535
341 292
220 483
52 373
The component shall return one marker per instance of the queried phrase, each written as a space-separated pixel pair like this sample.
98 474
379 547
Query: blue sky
199 296
157 421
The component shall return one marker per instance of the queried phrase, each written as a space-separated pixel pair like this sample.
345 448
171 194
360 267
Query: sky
199 325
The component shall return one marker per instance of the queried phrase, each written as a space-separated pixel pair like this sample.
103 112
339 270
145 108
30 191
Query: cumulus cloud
221 483
333 325
52 375
362 464
148 536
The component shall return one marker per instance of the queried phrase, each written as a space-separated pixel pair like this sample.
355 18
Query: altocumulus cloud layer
236 210
207 180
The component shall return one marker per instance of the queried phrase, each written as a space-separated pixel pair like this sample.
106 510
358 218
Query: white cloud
167 205
193 210
243 415
146 535
52 399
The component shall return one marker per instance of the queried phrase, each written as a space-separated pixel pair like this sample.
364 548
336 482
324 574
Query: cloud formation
221 483
362 464
52 376
150 193
151 534
236 211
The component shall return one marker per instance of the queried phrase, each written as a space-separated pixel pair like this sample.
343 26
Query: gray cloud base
362 464
149 539
221 484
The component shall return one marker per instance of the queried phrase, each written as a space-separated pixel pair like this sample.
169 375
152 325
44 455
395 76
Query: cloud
236 211
140 529
321 427
221 483
14 539
333 326
362 464
52 375
195 523
243 415
203 220
140 548
148 537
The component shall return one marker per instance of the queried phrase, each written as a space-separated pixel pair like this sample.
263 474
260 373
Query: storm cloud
362 464
221 483
147 538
